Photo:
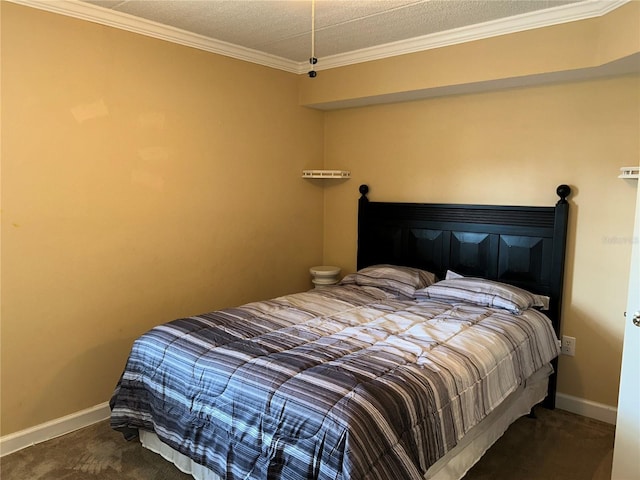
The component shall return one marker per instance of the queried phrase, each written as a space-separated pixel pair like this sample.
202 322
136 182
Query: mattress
348 382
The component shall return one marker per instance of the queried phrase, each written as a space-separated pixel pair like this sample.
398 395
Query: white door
626 452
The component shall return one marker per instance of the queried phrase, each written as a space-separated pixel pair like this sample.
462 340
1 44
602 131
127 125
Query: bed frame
523 246
519 245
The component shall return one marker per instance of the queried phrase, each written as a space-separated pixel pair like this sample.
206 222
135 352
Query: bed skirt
453 466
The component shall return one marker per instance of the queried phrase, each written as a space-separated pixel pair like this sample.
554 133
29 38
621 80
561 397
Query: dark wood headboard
519 245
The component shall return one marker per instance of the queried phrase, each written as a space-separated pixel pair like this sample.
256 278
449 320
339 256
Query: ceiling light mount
312 72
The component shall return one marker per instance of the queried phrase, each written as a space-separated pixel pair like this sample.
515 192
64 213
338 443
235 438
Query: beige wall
141 181
512 147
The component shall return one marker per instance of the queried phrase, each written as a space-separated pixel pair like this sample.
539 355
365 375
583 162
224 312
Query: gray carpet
556 445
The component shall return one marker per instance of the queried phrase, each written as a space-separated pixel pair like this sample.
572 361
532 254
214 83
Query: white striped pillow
399 280
483 292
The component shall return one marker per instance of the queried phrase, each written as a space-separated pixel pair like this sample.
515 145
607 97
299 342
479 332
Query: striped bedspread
341 383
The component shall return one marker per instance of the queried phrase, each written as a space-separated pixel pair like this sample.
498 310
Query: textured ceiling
282 28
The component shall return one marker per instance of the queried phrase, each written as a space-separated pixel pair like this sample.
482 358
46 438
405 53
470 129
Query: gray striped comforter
341 383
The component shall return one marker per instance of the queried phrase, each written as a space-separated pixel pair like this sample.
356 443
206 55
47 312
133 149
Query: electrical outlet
568 345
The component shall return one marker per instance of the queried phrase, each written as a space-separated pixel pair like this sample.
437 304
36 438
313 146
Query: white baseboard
587 408
55 428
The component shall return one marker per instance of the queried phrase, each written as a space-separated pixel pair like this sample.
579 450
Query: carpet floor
556 445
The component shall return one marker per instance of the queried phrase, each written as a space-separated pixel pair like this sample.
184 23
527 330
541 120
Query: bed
410 368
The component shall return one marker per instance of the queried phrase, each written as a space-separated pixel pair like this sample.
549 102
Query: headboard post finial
364 189
563 192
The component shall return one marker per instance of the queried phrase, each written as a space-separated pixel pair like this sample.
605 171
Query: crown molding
528 21
130 23
518 23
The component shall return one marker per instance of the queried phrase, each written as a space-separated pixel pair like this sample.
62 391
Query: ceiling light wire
313 60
